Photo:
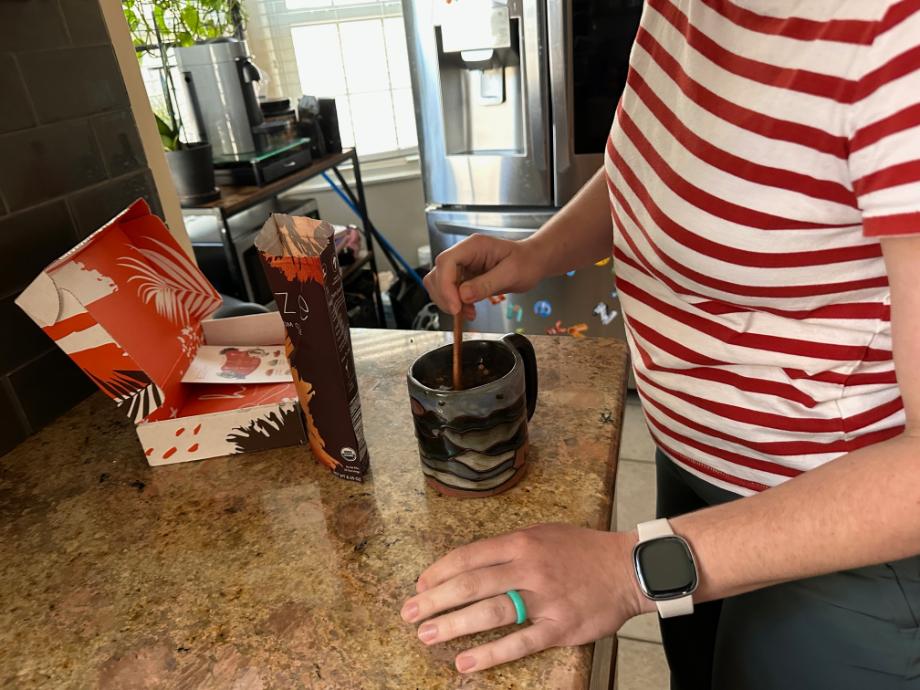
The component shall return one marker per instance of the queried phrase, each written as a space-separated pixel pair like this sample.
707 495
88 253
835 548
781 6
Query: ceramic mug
473 442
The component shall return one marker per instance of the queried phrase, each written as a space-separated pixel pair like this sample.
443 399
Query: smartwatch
665 568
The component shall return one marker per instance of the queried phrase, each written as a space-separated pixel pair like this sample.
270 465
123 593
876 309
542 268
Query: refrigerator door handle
464 229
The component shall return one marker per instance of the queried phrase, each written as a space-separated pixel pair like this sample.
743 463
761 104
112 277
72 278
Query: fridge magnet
576 331
495 299
570 274
605 314
514 312
603 262
542 308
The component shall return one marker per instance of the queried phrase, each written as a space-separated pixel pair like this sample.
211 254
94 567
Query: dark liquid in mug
474 375
483 362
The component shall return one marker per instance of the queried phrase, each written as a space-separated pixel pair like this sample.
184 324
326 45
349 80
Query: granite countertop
263 570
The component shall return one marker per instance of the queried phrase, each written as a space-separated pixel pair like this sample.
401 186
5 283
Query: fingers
474 255
479 554
495 612
463 589
441 285
518 644
482 287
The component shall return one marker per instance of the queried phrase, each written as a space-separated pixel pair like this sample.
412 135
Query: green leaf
189 15
169 135
159 19
184 38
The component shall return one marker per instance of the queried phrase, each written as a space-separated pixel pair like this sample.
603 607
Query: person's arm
859 509
578 235
581 233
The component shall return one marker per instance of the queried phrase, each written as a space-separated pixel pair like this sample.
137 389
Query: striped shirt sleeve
884 156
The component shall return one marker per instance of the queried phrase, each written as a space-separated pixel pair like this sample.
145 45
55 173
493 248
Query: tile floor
640 659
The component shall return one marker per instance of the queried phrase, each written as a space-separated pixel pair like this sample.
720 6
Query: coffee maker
220 89
220 78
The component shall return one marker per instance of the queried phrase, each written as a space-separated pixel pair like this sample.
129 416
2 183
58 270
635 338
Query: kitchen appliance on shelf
217 90
259 169
318 119
514 100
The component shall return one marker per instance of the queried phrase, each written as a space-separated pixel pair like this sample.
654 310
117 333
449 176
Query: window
352 50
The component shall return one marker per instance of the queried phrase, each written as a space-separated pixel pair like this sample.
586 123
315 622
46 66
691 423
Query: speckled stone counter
263 570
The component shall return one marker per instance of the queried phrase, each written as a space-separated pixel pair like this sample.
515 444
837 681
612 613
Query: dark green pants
852 630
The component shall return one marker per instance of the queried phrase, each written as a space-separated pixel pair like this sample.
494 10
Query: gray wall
396 207
70 159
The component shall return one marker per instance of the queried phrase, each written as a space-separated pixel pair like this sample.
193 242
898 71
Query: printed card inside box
127 305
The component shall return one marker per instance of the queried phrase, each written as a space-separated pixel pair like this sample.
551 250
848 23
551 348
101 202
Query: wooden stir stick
458 348
458 351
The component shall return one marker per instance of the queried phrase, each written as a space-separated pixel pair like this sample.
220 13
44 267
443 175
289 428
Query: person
762 187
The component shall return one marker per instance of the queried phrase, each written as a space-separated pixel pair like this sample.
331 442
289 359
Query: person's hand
489 266
578 585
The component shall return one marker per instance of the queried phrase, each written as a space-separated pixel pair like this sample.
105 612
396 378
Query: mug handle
529 357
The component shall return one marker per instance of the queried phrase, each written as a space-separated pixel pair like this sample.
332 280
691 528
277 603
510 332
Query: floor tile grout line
649 461
632 638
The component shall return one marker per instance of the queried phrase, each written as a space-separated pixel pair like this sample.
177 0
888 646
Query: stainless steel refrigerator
513 101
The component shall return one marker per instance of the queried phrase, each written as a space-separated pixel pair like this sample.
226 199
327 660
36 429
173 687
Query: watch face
665 567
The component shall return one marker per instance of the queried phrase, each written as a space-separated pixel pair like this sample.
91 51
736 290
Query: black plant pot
192 170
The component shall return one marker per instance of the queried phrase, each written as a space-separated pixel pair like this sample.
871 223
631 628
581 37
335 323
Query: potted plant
157 27
191 165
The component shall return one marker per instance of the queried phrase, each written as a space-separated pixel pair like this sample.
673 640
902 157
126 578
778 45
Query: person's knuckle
464 558
556 637
496 613
526 644
447 628
487 657
469 585
521 541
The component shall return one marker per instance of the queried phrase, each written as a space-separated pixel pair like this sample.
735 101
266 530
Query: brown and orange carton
299 258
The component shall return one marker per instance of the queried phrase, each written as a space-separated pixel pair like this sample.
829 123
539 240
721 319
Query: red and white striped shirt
759 151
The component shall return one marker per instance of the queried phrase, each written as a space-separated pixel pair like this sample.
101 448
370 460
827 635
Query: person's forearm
581 233
857 510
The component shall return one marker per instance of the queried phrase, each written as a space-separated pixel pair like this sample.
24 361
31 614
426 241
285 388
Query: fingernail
427 632
465 663
466 293
410 612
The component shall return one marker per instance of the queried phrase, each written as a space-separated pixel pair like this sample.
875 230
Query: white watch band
671 607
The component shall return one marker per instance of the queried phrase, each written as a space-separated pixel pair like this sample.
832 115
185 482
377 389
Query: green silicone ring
520 608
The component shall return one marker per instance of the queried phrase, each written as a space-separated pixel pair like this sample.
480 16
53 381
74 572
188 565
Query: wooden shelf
234 199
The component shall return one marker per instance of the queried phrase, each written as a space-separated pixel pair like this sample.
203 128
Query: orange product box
131 309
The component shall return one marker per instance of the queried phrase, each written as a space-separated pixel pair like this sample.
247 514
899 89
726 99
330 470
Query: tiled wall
70 158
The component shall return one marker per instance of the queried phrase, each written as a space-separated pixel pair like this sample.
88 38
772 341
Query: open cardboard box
130 308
